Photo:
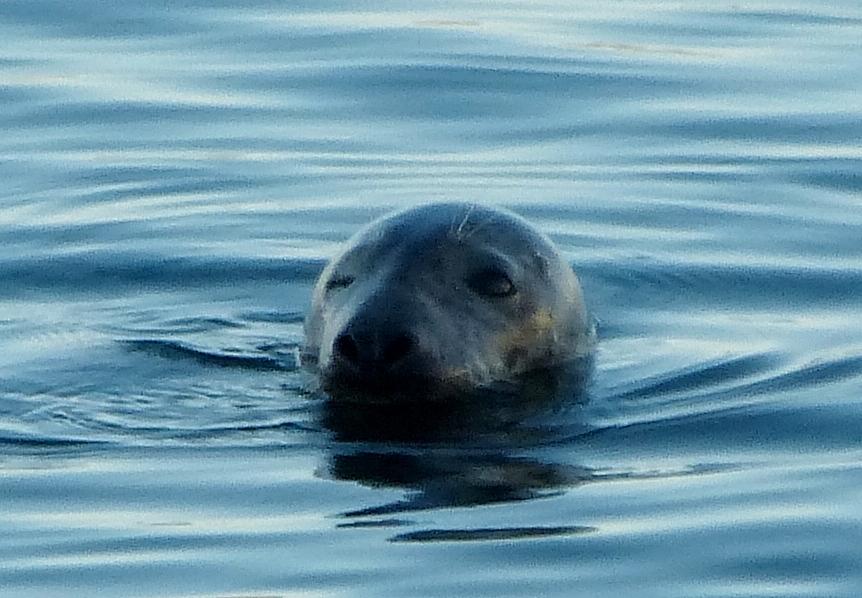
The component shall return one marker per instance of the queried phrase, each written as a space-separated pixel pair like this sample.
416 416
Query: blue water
175 175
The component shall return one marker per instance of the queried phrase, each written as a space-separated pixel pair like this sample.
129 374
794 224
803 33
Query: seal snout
377 358
378 350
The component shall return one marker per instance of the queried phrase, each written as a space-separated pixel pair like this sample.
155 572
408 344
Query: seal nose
380 351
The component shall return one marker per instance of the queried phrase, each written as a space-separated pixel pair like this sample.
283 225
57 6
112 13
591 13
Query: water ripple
490 534
176 174
178 350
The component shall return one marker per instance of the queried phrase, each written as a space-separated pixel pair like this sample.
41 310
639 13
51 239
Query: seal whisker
453 228
479 226
459 232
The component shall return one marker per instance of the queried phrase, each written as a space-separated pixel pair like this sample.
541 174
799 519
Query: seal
441 299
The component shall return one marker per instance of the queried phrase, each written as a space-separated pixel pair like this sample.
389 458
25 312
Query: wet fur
408 270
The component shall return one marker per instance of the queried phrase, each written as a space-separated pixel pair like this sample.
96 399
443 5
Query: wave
175 350
104 271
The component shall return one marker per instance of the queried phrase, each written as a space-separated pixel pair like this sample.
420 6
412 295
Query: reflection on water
489 534
175 176
459 453
434 480
525 410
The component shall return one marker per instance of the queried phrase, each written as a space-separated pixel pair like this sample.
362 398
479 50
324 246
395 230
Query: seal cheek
529 344
515 359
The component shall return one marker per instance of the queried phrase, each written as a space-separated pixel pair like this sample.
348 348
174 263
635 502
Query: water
176 174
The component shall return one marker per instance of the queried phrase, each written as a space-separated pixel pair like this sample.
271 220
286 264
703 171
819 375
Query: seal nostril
346 347
397 348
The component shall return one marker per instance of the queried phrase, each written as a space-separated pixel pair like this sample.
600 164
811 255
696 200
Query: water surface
176 176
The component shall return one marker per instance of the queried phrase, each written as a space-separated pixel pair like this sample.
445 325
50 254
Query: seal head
441 299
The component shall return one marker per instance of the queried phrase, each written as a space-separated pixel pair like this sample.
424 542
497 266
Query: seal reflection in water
440 300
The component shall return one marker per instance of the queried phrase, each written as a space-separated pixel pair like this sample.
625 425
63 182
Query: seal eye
339 282
491 282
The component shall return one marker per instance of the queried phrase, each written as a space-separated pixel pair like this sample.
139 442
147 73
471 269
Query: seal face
440 299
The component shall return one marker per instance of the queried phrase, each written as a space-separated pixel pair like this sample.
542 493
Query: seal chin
381 386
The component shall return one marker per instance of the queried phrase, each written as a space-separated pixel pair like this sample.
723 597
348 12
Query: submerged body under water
177 176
